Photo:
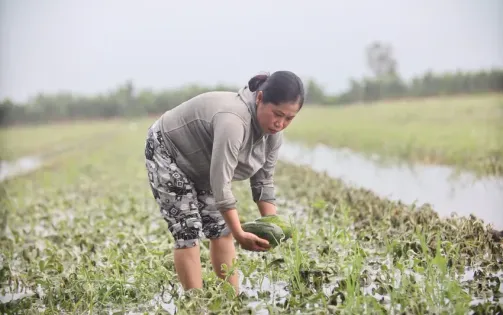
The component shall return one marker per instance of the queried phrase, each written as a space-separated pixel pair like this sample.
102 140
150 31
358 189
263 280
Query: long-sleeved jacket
215 139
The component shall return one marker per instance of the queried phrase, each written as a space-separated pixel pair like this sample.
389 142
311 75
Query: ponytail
255 82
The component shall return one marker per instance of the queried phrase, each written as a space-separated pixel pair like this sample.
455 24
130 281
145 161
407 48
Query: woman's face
275 118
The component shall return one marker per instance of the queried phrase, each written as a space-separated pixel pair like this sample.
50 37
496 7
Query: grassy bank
463 132
86 235
19 141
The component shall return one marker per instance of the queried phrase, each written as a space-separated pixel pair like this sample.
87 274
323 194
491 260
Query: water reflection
463 195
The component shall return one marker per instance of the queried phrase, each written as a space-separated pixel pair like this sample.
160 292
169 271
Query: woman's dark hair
280 87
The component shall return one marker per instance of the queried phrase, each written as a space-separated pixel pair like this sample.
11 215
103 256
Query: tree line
371 89
387 84
126 101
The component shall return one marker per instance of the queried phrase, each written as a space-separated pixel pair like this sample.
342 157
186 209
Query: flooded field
447 190
85 235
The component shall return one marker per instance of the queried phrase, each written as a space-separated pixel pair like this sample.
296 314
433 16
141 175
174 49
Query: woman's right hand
252 242
246 240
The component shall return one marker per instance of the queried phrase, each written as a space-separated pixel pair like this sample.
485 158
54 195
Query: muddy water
435 185
18 167
9 297
258 304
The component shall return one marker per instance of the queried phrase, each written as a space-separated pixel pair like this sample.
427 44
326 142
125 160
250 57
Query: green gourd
268 231
275 219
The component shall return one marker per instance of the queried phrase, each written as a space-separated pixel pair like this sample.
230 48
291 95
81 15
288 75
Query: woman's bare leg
188 267
222 251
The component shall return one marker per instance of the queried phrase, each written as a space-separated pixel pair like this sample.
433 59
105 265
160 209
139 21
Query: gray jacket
216 139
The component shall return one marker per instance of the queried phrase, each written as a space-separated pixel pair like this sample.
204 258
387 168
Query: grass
85 235
463 132
26 140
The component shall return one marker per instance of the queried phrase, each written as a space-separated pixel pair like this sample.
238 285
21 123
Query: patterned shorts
190 213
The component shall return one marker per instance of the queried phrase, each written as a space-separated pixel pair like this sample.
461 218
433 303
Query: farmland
84 233
464 132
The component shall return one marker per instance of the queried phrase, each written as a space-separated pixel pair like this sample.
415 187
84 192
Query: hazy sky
92 46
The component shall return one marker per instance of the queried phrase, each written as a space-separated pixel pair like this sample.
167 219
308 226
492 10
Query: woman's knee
227 237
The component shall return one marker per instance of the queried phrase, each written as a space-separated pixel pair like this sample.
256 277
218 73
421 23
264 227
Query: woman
193 153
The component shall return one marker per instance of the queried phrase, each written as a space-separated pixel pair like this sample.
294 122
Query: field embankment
35 140
86 235
466 133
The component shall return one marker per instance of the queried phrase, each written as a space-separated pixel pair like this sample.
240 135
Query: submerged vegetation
85 235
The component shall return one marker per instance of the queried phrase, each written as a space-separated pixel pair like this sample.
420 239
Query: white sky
92 46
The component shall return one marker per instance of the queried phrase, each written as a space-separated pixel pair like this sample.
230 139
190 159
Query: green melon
276 219
268 231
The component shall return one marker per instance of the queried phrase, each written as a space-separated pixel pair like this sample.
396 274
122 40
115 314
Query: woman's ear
258 99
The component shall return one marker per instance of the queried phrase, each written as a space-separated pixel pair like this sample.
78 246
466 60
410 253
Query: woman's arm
262 182
228 137
231 217
266 208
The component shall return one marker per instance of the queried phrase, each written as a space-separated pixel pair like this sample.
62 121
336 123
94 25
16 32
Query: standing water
18 167
435 185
